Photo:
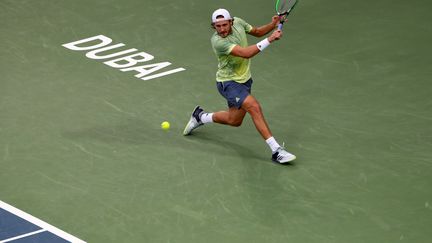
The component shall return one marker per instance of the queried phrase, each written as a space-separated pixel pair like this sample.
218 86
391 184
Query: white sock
272 144
207 118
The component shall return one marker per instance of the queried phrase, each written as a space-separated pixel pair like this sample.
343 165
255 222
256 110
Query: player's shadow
227 146
223 145
140 132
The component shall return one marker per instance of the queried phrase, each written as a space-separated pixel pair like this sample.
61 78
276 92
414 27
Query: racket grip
280 26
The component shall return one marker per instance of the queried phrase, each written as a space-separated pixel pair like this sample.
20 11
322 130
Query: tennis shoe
282 156
194 121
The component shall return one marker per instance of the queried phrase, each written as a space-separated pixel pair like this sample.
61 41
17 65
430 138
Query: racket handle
280 26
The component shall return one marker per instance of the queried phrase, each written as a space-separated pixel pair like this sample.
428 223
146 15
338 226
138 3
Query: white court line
163 74
22 236
40 223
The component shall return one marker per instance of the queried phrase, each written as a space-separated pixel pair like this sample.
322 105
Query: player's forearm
265 29
252 50
245 52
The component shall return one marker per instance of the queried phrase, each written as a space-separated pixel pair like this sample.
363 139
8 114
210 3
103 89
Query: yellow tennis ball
165 125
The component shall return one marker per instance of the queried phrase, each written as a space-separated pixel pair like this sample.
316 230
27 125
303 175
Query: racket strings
284 6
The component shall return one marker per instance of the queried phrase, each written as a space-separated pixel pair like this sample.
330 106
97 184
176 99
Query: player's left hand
275 20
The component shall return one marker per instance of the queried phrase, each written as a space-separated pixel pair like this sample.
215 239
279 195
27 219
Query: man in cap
234 80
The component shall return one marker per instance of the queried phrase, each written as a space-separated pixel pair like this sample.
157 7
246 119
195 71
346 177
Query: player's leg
252 106
235 93
279 154
233 117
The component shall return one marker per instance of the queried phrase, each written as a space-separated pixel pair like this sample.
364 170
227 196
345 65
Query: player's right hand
276 35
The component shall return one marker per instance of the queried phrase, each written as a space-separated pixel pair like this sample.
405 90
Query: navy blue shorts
235 93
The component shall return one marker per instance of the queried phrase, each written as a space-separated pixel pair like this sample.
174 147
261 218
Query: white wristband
263 44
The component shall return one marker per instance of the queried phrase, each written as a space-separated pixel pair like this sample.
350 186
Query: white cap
226 15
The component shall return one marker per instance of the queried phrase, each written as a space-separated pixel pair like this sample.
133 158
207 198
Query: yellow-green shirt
232 67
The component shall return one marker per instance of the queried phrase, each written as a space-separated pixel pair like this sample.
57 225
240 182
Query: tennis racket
283 8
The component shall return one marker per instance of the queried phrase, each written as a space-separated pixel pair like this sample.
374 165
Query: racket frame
283 16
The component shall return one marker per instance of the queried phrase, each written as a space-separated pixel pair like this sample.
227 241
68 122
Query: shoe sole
187 125
283 162
184 131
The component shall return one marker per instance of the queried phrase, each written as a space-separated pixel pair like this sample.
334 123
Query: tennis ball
165 125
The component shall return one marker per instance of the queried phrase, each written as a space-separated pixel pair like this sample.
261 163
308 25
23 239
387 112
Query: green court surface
348 89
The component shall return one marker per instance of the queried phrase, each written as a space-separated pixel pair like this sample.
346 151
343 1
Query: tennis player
234 80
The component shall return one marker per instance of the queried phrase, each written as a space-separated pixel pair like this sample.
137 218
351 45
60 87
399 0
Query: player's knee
254 109
236 123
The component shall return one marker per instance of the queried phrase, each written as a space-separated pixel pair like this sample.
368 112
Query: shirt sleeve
223 47
247 27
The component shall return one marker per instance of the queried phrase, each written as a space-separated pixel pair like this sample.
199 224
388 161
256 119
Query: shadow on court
138 132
